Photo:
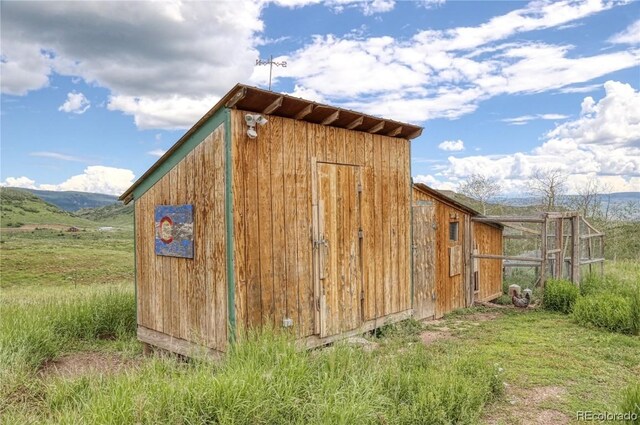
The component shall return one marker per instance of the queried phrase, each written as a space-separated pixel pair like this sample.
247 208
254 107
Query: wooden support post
543 252
575 250
559 242
468 261
602 255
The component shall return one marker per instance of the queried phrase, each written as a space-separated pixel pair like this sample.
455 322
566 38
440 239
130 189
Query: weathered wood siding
450 262
180 297
488 240
424 259
273 219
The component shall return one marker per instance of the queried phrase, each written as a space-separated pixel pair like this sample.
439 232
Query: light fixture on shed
252 120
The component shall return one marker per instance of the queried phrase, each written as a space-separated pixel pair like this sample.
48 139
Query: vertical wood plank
188 289
277 217
369 254
265 229
304 230
218 224
331 144
165 188
155 266
239 175
253 188
394 201
291 143
181 263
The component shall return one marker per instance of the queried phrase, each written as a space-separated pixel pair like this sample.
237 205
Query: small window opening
453 231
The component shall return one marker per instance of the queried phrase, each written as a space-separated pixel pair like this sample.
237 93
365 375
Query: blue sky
93 93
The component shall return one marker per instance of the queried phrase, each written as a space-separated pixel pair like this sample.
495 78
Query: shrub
560 295
631 402
608 311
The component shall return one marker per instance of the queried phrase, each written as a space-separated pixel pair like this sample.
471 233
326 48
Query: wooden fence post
575 249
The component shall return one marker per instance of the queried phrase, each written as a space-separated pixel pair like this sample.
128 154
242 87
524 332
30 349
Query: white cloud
166 112
157 152
631 35
580 89
428 4
57 155
368 7
95 178
76 103
182 54
23 66
24 182
604 141
447 73
521 120
434 182
452 145
98 179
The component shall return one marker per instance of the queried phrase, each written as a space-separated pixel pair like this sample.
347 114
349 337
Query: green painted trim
135 262
411 226
231 288
194 140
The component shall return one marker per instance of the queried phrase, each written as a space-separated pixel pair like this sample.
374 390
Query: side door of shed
337 248
424 259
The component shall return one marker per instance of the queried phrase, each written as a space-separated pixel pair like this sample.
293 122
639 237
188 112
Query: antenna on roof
270 62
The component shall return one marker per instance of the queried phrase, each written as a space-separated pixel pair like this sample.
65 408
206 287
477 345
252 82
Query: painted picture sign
174 230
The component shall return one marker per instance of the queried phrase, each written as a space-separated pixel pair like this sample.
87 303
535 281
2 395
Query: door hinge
361 295
360 234
359 187
318 304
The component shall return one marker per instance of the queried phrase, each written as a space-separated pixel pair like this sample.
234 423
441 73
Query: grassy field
68 354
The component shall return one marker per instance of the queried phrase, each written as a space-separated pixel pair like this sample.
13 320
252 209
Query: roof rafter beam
376 127
355 123
237 97
415 134
273 106
331 118
395 132
304 112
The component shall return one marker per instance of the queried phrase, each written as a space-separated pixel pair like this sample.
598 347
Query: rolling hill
19 207
73 201
114 215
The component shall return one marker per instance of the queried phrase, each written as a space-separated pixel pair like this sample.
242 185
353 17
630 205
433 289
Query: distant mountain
20 207
614 198
73 201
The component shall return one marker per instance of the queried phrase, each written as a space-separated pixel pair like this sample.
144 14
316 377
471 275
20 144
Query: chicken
521 302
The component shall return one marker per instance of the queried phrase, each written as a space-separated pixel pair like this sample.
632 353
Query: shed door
424 259
338 275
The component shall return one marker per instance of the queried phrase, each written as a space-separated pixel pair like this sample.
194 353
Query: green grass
47 257
631 402
560 295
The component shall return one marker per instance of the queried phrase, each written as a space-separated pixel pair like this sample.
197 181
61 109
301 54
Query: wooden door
338 275
424 259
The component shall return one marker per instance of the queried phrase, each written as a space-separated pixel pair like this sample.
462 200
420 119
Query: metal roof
253 99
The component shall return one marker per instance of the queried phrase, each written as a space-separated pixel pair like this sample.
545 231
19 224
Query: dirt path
87 363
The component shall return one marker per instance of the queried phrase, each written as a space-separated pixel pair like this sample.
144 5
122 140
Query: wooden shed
302 223
444 275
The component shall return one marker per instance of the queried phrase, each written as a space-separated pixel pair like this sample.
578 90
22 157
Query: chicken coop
445 276
274 211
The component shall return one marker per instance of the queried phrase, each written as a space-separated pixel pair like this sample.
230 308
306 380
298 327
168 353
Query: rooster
522 302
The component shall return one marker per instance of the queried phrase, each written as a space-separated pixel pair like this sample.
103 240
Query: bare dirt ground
85 363
530 406
32 227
